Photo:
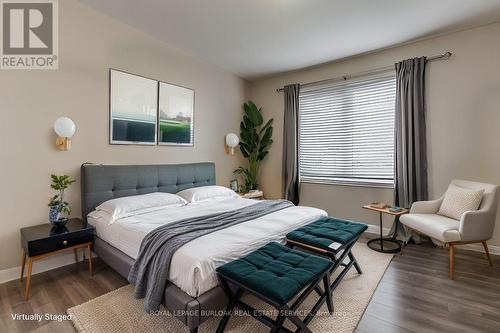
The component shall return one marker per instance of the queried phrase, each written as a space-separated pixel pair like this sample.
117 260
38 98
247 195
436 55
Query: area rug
118 311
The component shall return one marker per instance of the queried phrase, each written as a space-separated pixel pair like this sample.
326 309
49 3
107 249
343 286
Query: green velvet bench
277 275
330 237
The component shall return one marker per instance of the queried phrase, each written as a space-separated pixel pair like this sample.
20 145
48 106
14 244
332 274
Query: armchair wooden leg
451 251
485 245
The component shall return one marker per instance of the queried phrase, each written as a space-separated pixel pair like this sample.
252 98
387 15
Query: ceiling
256 38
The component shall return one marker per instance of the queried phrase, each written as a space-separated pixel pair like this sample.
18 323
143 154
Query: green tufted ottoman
330 237
277 275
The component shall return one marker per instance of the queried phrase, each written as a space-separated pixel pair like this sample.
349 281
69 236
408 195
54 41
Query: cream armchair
474 226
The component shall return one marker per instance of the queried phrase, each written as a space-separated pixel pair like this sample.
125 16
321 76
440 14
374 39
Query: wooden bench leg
227 314
356 264
230 306
296 320
279 323
328 293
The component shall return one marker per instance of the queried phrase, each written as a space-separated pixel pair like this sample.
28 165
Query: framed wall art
175 116
145 111
133 109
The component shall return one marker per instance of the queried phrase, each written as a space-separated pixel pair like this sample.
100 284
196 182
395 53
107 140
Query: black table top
48 230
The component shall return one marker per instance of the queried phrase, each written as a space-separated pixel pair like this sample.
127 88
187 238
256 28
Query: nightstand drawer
54 243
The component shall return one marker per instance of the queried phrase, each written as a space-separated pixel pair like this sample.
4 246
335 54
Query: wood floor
414 295
54 292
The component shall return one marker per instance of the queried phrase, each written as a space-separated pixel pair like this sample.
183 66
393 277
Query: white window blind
346 131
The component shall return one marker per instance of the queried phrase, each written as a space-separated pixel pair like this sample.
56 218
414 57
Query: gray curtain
410 133
290 173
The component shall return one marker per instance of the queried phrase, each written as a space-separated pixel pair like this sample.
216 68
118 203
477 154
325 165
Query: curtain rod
443 56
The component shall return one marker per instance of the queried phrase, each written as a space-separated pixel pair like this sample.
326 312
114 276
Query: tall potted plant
57 204
255 141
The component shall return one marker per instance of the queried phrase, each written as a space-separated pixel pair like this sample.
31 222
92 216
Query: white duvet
193 265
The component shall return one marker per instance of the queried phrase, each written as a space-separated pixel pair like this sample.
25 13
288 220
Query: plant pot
58 230
61 222
54 214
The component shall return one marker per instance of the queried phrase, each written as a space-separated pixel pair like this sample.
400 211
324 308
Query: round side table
381 244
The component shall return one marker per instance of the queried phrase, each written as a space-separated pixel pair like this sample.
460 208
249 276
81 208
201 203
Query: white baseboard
494 249
13 273
375 229
54 262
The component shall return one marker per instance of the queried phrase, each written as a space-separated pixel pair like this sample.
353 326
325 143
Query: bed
192 293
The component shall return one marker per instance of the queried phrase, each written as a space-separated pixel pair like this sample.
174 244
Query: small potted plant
57 205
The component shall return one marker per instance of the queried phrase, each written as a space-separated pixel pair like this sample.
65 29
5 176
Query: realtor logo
29 34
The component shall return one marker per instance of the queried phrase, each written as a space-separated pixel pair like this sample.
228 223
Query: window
346 132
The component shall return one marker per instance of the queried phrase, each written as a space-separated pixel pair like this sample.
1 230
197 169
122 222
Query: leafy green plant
255 141
60 183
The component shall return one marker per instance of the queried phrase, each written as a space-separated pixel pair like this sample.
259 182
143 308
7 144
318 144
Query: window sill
348 183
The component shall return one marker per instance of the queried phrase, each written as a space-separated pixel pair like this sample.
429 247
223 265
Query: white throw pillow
126 206
459 200
202 193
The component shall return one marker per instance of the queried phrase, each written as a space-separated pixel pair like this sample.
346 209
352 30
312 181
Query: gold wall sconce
232 141
65 129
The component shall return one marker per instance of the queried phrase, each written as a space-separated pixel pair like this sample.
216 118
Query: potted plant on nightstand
255 141
57 205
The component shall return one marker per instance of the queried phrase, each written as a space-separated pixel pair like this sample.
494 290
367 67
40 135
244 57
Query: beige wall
90 43
463 105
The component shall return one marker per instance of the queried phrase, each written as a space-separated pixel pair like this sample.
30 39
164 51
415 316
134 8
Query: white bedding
193 265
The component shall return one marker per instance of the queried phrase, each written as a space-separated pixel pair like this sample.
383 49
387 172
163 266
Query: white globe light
64 127
232 140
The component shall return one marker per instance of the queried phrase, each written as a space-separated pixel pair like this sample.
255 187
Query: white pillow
212 192
127 206
458 200
100 215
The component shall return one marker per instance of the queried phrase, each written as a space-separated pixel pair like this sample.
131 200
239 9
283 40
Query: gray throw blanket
151 268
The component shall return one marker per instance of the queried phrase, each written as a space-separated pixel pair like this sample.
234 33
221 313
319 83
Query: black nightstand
44 240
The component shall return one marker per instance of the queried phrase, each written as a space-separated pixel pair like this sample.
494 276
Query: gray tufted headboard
100 183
